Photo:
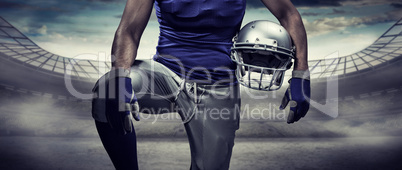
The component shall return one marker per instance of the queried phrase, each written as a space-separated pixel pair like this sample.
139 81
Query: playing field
168 153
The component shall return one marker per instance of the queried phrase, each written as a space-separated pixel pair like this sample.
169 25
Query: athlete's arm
127 37
290 18
116 99
298 93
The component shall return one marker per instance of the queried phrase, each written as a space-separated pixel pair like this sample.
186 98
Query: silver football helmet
263 51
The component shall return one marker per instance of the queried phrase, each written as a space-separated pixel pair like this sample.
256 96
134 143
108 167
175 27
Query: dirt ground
169 153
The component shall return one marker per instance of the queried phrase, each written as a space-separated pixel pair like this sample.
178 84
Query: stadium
354 122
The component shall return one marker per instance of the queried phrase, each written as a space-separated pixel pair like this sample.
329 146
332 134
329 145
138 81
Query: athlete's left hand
298 95
115 101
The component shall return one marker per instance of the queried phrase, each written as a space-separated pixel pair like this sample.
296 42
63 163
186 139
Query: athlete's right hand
298 95
120 104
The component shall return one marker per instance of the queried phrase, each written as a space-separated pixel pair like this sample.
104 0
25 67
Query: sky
79 27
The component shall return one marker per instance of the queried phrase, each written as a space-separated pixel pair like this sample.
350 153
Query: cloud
254 4
334 12
35 31
326 3
24 30
33 13
367 2
396 5
310 14
326 25
42 30
299 3
58 36
316 3
337 11
345 44
23 6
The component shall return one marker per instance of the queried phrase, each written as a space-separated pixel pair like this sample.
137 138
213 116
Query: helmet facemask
260 70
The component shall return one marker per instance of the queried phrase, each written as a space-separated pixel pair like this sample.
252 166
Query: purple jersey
196 37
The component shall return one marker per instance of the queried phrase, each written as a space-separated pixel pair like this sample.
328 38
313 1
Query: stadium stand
28 62
369 89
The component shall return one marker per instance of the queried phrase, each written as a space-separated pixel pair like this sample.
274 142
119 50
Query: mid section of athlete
201 59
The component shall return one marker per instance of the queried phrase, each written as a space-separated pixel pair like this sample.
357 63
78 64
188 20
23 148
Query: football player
196 72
